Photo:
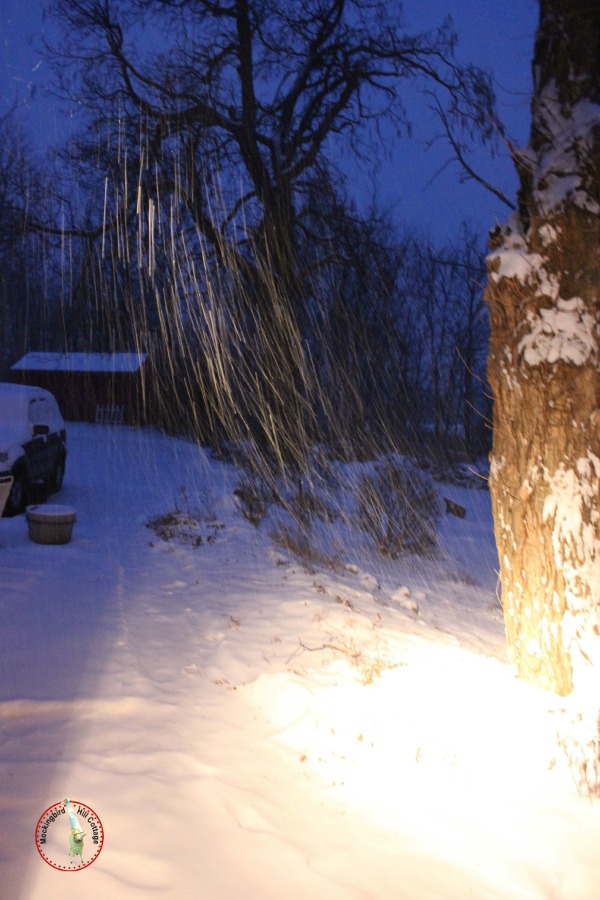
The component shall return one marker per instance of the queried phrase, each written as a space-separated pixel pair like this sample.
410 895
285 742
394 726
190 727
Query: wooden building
108 388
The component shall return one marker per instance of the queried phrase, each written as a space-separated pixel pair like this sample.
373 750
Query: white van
33 443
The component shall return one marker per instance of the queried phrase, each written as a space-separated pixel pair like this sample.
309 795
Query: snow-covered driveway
249 729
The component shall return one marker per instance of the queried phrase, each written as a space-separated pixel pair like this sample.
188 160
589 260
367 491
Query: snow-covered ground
251 728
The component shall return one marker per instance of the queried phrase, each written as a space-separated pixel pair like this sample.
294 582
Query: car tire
17 499
56 479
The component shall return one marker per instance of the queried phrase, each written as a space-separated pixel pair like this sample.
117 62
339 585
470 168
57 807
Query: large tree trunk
544 297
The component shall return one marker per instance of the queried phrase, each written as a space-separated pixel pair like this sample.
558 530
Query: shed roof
80 362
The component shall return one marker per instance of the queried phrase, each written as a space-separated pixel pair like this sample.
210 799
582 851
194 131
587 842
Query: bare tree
544 277
218 114
24 314
447 342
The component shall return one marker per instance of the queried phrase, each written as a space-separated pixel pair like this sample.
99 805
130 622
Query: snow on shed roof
81 362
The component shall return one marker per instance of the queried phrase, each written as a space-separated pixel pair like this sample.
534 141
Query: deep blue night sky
495 35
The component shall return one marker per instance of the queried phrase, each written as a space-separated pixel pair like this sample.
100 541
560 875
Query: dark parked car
33 443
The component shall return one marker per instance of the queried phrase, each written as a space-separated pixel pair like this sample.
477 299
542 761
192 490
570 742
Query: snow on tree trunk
544 297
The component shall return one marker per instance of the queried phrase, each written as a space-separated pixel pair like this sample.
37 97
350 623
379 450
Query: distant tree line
212 229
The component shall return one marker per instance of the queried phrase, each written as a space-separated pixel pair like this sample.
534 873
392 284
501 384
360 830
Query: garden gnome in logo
76 835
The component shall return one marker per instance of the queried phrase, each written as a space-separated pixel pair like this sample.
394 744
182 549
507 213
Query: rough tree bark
544 298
